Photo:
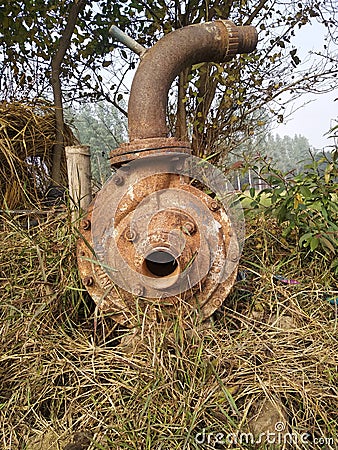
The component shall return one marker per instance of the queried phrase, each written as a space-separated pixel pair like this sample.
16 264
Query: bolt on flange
130 235
189 228
88 281
86 224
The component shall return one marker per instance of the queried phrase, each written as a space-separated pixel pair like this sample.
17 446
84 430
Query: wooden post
79 177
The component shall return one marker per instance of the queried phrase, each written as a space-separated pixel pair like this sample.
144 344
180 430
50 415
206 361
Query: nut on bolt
189 228
88 281
86 224
138 290
178 163
130 235
214 205
118 180
217 302
234 257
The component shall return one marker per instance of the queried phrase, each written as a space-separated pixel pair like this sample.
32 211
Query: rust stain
192 247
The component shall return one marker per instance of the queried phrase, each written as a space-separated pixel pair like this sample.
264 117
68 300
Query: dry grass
63 382
26 130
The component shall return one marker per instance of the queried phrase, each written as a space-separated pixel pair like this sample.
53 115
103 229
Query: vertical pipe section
217 41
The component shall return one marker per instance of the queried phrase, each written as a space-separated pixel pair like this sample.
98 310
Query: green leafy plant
307 204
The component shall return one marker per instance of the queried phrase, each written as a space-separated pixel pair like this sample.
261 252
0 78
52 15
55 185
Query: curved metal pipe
216 41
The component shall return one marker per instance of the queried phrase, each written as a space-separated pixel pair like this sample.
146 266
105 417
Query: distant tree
287 153
103 128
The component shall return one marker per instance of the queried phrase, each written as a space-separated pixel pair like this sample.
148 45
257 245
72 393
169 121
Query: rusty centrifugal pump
151 239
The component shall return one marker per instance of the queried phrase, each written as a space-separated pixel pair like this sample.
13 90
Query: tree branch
64 44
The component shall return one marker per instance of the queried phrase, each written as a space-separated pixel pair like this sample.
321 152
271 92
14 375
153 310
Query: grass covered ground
270 355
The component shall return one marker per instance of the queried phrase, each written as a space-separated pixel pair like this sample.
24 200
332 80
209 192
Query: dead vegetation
27 137
268 356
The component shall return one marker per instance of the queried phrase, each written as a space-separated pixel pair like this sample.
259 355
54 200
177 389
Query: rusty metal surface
141 148
216 41
151 241
95 279
153 209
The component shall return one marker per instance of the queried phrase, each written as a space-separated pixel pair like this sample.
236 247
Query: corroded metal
142 148
216 41
153 213
151 239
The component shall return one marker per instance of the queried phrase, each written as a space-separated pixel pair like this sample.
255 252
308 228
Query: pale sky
315 118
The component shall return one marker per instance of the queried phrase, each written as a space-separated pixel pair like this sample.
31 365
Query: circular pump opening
161 263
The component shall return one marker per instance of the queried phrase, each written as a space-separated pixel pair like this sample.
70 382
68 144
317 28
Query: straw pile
271 352
26 131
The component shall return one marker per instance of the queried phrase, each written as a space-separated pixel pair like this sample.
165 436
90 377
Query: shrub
306 204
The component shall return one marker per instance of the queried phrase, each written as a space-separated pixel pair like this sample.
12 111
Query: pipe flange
142 148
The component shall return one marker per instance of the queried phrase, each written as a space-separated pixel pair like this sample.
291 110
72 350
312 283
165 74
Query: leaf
303 241
313 13
297 200
334 264
314 242
327 244
197 66
305 191
296 60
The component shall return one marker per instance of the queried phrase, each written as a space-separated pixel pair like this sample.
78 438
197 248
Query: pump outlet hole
161 263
